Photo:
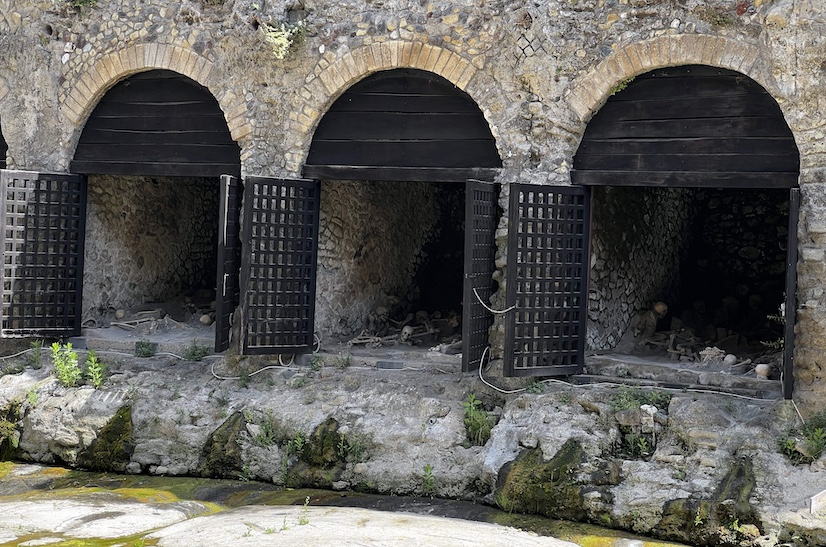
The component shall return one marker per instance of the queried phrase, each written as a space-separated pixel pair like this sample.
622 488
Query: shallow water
24 483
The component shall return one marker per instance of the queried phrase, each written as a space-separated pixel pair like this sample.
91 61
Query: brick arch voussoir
591 92
106 72
337 77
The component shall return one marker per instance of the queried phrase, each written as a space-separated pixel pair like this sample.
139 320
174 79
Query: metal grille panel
229 259
480 250
281 231
44 219
547 280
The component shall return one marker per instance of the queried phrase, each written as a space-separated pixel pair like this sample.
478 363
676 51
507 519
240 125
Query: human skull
407 333
661 308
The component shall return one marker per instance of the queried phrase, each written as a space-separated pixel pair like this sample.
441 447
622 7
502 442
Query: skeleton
645 325
377 321
407 334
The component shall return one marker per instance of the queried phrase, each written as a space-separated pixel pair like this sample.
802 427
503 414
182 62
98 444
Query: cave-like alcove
150 241
717 257
392 245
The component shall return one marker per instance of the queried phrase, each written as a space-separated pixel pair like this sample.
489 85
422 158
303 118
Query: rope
491 310
618 384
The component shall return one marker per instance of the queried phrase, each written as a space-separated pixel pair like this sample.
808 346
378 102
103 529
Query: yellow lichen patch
147 495
6 468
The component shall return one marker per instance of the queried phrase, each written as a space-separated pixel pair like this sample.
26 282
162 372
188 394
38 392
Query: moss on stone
322 446
722 520
221 455
113 448
531 485
322 458
9 416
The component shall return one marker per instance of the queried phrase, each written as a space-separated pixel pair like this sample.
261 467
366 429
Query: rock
631 417
206 319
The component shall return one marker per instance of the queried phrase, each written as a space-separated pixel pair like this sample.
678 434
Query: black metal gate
279 265
480 249
229 259
44 221
790 315
547 277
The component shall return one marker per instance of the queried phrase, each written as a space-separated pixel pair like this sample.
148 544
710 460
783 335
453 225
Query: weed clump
806 443
478 421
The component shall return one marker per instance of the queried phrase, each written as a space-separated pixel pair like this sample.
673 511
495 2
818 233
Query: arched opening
403 235
693 173
153 150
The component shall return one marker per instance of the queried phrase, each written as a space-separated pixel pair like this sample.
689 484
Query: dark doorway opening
153 149
396 260
388 251
716 257
694 173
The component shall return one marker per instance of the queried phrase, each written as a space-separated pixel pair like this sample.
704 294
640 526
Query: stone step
118 340
768 392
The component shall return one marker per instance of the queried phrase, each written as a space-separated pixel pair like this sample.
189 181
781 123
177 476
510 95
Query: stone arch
591 92
92 84
333 79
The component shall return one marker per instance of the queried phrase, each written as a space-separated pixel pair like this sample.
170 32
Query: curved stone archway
591 92
331 80
92 84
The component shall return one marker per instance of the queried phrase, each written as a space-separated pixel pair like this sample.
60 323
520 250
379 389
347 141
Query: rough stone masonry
537 70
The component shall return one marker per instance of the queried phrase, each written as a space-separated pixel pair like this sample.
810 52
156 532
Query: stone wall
638 241
370 248
149 239
537 72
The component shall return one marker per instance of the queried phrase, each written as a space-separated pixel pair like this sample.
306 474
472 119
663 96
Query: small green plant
305 514
717 16
195 352
266 430
428 481
295 446
244 379
32 397
316 363
95 370
145 348
66 366
283 37
627 398
478 421
807 443
779 342
81 4
535 387
621 85
343 360
246 474
34 359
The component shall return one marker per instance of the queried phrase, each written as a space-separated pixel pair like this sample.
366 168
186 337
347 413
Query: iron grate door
44 219
547 280
790 304
480 250
279 265
229 259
